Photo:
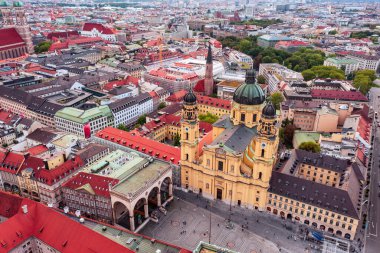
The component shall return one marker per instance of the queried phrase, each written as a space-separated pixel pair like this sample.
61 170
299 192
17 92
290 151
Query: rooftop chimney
25 209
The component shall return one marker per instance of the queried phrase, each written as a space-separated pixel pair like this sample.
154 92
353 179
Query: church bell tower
189 128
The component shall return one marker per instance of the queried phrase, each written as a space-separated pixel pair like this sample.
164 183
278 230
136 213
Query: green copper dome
18 4
4 4
249 93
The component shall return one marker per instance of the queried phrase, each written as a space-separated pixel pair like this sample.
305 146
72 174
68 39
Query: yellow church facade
236 165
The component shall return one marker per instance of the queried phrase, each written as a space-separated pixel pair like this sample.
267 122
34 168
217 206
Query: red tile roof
34 163
54 229
142 144
54 175
101 28
10 39
215 102
199 86
172 120
59 35
177 96
10 204
338 95
129 80
99 184
12 162
36 150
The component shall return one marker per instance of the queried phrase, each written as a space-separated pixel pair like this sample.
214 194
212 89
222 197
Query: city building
226 88
83 122
370 62
271 40
247 138
127 110
90 193
320 191
242 60
16 35
347 65
98 30
278 76
168 127
28 226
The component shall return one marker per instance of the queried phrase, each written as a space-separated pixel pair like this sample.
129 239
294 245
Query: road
372 244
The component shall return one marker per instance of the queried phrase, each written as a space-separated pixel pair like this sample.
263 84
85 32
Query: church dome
249 93
269 111
190 97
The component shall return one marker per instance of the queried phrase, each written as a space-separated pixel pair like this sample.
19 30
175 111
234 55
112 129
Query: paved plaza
186 225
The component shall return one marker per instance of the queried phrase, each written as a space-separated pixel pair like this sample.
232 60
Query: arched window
254 117
260 175
187 136
262 152
242 117
187 157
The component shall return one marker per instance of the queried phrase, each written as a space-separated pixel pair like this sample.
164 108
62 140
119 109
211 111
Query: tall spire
209 54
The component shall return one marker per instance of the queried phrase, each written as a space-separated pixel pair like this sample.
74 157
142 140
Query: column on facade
146 210
170 189
132 223
159 198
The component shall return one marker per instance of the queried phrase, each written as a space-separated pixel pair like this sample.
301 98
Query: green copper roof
249 93
18 4
83 116
4 4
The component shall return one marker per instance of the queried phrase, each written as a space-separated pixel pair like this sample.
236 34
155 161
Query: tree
363 80
288 135
244 46
177 140
333 32
162 105
261 79
42 47
324 72
141 120
308 75
310 146
123 127
277 98
208 117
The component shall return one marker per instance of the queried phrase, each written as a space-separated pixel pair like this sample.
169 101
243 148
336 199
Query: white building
78 121
349 65
366 61
127 110
277 76
98 30
243 60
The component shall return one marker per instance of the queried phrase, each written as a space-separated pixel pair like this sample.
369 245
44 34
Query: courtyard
186 225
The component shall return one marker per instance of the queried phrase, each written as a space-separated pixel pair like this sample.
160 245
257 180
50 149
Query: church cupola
268 120
248 102
190 112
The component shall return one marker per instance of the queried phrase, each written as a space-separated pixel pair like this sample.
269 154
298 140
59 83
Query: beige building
320 191
236 165
326 120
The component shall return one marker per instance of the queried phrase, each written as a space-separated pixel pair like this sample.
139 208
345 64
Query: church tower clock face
263 145
187 129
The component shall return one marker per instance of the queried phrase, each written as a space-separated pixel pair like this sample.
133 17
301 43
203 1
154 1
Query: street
373 221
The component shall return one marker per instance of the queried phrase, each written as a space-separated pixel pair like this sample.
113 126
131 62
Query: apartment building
127 110
90 193
277 76
83 122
